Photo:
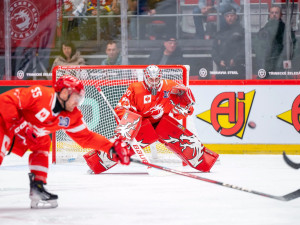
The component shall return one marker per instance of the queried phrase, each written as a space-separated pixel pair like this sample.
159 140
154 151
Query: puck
251 124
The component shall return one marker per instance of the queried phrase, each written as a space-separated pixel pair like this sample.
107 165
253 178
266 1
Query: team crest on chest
42 115
147 99
64 121
166 94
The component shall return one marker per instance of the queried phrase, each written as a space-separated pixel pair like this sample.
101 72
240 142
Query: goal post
114 81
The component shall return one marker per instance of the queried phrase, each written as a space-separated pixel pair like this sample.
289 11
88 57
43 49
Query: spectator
68 56
153 22
169 54
228 50
71 23
132 11
163 7
113 54
269 42
79 9
207 7
110 25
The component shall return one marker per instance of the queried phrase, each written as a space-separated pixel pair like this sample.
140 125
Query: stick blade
291 196
290 162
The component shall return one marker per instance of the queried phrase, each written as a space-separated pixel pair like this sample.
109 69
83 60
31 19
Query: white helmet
152 78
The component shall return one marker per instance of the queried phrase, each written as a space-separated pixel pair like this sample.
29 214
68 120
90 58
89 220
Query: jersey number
36 92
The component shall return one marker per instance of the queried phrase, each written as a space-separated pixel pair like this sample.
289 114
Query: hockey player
154 99
29 115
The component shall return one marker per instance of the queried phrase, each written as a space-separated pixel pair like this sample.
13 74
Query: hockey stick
133 142
287 197
290 162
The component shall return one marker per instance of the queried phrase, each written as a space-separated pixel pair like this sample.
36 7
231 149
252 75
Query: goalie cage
113 81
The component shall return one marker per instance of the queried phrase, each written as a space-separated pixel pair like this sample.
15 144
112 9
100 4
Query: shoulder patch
64 121
166 94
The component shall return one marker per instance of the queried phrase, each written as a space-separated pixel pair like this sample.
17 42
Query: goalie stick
133 142
290 162
287 197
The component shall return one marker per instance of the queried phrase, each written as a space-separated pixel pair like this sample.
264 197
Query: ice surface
127 195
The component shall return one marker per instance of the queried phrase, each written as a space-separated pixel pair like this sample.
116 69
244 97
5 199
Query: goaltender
154 99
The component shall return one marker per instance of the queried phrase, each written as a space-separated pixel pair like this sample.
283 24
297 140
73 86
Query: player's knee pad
147 134
98 161
185 144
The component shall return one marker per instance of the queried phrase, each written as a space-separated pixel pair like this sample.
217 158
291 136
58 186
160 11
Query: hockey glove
182 100
120 152
25 132
182 95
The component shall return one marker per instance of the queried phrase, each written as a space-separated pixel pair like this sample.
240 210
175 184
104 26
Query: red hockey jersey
139 100
35 104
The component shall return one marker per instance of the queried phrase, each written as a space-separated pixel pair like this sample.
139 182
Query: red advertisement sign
229 113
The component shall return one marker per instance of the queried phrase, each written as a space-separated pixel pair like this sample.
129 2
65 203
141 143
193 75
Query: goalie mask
152 78
73 85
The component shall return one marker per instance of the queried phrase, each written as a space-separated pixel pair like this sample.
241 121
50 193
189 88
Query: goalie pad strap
185 144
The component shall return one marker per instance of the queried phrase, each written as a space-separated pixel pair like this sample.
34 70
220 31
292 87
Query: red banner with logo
32 23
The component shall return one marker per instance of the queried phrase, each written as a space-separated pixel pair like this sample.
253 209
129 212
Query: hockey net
113 80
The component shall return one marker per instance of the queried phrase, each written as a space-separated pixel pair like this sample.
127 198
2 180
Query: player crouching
154 99
29 115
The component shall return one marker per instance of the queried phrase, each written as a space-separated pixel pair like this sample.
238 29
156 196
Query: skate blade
40 204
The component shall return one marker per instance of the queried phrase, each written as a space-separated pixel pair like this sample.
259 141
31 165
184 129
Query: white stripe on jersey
77 129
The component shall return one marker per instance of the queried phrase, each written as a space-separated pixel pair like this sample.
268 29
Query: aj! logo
292 116
229 113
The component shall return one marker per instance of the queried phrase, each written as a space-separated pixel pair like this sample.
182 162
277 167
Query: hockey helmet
72 84
152 78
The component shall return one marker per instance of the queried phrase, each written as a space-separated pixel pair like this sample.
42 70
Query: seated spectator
113 54
169 54
71 23
269 42
109 26
78 9
155 19
132 12
68 56
208 9
228 50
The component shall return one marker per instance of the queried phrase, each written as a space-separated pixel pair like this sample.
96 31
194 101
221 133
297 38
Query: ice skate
40 198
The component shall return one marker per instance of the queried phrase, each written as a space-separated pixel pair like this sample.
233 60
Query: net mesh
113 81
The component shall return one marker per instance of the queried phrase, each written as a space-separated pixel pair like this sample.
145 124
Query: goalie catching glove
182 100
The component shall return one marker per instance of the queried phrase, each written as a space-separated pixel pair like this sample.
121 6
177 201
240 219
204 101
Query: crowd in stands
218 26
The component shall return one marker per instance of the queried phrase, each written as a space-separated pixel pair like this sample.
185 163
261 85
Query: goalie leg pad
147 134
98 161
129 125
185 144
